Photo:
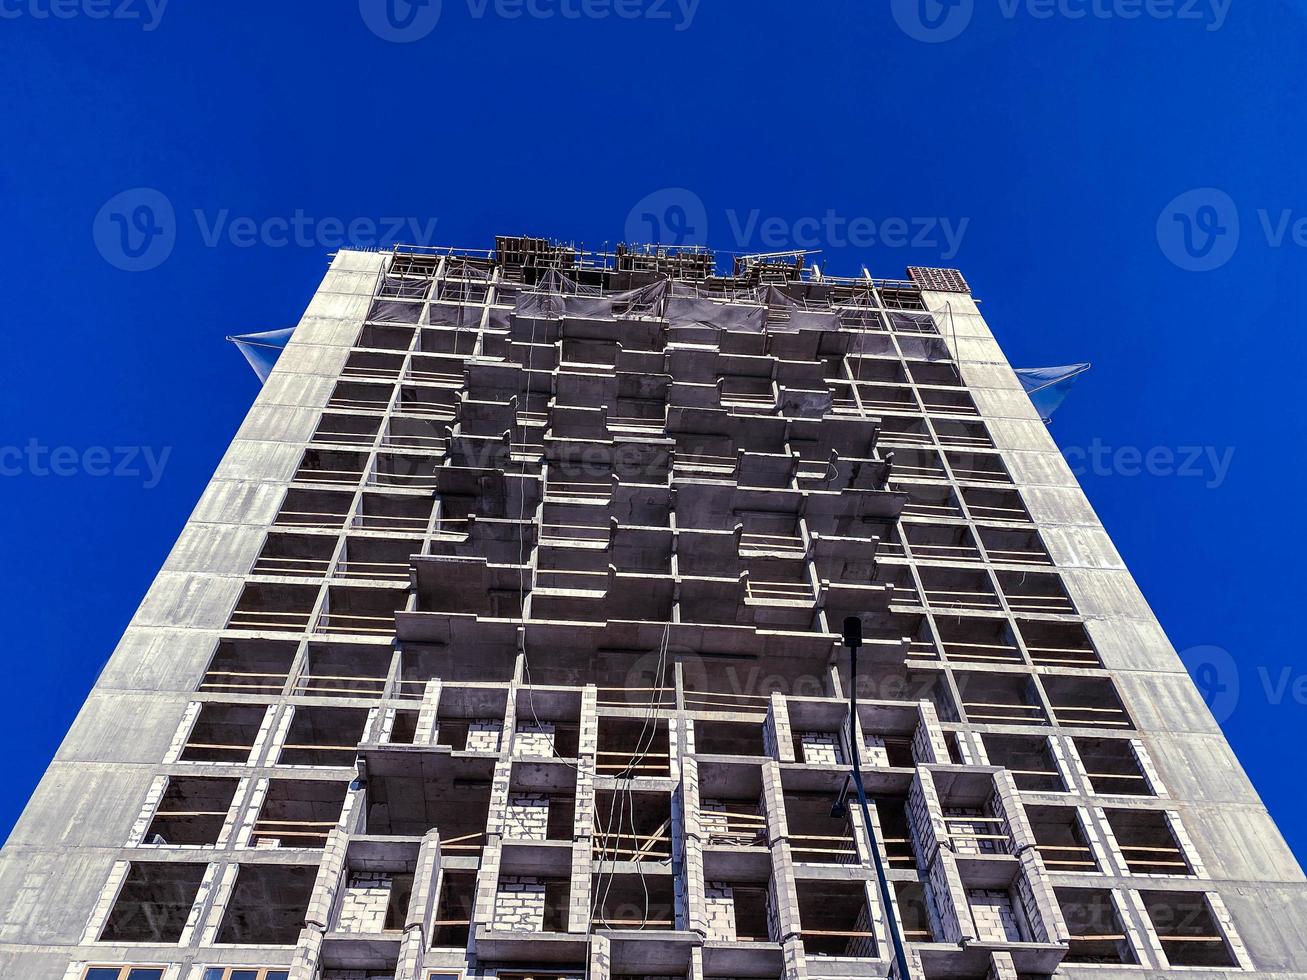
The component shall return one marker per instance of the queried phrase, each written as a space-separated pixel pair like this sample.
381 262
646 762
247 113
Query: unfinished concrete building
505 643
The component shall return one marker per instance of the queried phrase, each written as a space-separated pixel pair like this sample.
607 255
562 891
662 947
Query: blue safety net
1049 386
263 349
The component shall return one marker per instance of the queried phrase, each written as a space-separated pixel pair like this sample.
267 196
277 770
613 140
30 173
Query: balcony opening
957 402
914 911
153 903
342 429
430 402
452 797
531 904
379 559
249 666
1007 546
916 464
887 370
630 748
935 373
1000 699
632 827
362 611
471 719
548 724
903 430
314 508
989 504
298 813
453 921
224 733
737 911
816 836
896 833
1029 759
295 555
1053 644
394 512
385 337
928 499
1035 592
274 607
344 670
1061 840
404 728
835 918
324 737
1188 930
731 810
192 811
406 432
331 467
1113 767
627 901
541 802
396 470
1097 934
374 901
728 738
958 433
358 396
1085 702
940 542
953 588
977 640
267 905
1148 842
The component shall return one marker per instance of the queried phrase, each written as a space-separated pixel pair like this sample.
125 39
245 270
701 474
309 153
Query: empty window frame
1030 760
1095 927
1188 930
1148 842
192 812
153 903
267 905
1113 767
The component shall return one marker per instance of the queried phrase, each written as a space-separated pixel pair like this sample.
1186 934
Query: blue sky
1120 180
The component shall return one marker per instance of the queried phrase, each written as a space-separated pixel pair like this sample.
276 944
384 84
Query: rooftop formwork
505 641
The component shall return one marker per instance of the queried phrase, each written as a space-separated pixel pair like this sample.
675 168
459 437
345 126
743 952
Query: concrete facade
505 640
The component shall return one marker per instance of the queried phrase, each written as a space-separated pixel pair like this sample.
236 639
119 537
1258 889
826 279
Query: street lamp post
853 641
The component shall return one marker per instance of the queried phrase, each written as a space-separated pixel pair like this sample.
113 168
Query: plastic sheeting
1049 386
261 350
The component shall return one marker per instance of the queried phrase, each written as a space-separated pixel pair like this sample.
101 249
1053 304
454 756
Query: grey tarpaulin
395 311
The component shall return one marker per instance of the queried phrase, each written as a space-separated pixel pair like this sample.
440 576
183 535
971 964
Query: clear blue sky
1054 147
